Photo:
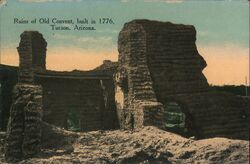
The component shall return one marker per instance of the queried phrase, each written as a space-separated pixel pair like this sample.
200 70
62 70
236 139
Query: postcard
124 81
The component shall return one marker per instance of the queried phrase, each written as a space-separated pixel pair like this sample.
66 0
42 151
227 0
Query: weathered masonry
159 64
157 81
88 94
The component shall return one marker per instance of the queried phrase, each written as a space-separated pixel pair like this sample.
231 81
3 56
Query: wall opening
73 120
175 119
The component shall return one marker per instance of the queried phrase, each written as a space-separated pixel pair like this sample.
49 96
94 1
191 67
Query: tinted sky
222 31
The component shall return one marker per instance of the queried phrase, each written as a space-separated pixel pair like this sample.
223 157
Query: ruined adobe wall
217 114
32 55
24 128
159 63
89 98
8 79
173 60
135 97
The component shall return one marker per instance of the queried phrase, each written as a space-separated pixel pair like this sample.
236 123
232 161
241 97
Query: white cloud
43 1
2 3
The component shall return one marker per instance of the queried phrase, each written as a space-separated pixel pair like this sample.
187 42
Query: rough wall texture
90 98
24 128
32 55
173 60
134 85
8 79
158 63
216 114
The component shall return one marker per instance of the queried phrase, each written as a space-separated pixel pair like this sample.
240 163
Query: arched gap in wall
174 118
73 120
178 119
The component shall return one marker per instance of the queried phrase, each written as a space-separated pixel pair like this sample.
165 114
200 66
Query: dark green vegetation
235 89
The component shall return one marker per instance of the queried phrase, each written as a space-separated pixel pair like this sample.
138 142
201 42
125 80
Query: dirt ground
149 145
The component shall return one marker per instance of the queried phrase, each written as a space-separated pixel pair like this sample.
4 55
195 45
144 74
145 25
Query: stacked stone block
24 127
32 55
133 77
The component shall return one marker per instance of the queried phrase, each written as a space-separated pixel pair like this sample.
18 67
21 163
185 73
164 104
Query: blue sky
219 23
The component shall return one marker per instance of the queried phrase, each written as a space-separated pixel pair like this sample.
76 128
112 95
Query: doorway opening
175 119
73 120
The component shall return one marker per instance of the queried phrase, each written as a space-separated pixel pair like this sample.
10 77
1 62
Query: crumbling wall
134 87
159 63
217 114
32 55
8 79
24 128
90 98
174 63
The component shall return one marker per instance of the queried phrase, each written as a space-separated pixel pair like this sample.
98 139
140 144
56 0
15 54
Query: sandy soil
149 145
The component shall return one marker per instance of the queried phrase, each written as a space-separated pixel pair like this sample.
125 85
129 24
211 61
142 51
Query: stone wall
93 99
134 85
32 55
174 63
216 114
159 63
8 79
90 98
24 128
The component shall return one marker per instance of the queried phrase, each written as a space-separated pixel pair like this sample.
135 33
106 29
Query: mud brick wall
87 97
24 128
32 55
134 84
159 63
173 60
217 114
8 79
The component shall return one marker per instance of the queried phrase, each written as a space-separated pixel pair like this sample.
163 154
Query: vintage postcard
124 81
